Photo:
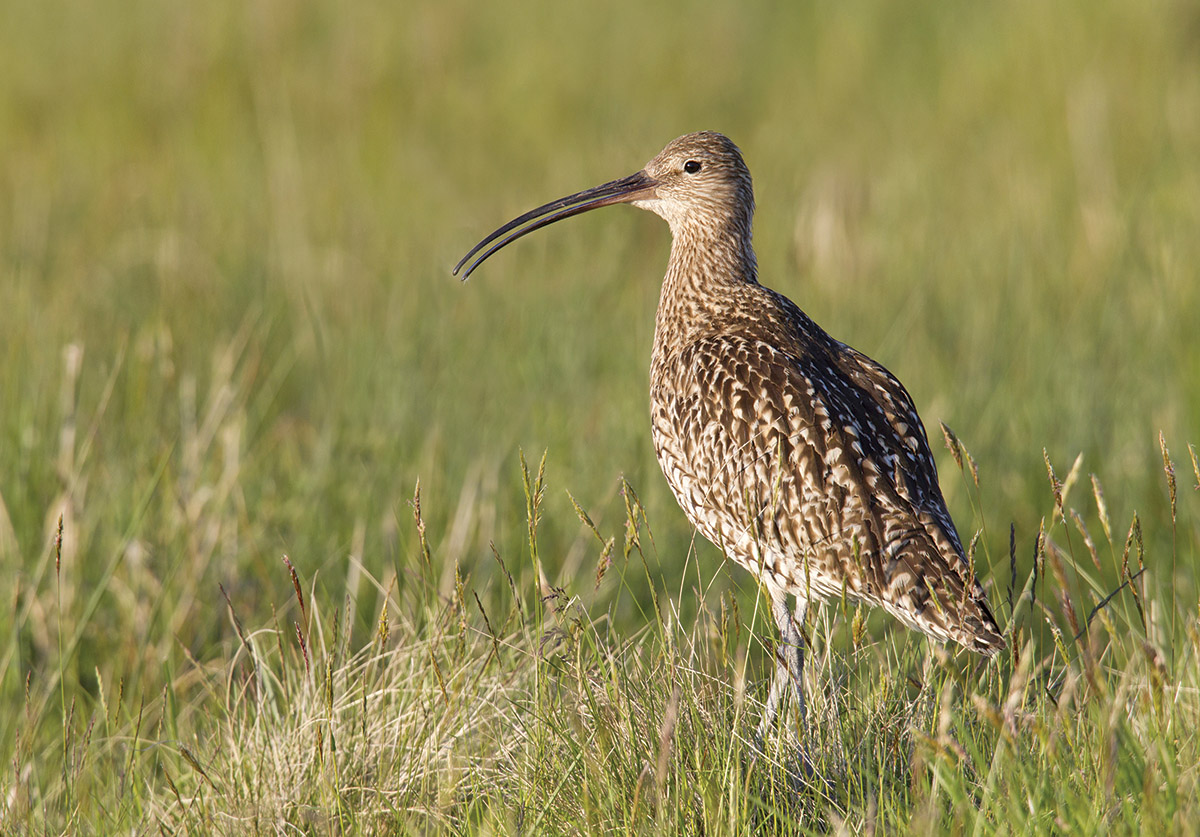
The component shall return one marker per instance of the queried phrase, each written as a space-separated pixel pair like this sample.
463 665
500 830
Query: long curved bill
632 188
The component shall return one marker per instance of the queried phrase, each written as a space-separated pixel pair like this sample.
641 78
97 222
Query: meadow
299 534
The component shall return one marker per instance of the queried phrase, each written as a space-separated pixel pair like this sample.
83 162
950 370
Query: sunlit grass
520 706
230 334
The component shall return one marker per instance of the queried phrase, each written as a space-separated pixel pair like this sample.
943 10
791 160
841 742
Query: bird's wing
812 468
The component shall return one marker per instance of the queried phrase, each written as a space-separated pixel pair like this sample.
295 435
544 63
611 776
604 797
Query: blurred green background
229 331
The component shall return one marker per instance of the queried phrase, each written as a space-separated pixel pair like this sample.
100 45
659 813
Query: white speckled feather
803 459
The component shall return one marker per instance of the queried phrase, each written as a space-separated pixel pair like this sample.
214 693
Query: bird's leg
795 644
789 665
783 666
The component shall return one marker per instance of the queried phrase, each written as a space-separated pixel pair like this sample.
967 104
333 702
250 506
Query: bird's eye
691 166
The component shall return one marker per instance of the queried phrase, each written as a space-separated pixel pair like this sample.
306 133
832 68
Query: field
299 534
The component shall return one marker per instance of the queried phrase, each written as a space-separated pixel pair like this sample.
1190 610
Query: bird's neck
709 271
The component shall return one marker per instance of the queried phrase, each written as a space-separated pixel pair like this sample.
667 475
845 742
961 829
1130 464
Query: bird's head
701 181
698 183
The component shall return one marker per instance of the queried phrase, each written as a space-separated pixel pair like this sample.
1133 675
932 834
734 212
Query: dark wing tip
985 635
988 645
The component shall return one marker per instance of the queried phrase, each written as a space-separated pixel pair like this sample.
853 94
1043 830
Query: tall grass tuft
517 705
228 334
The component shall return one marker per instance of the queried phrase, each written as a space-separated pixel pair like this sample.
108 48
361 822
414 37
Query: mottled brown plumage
801 458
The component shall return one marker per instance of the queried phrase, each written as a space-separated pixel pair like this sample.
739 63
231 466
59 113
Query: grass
230 335
524 708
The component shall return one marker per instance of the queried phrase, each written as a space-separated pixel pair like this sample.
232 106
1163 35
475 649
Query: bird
804 460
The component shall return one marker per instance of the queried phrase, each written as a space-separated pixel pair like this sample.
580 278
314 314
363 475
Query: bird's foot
800 770
798 767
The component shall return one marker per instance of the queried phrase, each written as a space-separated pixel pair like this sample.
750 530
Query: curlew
801 458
